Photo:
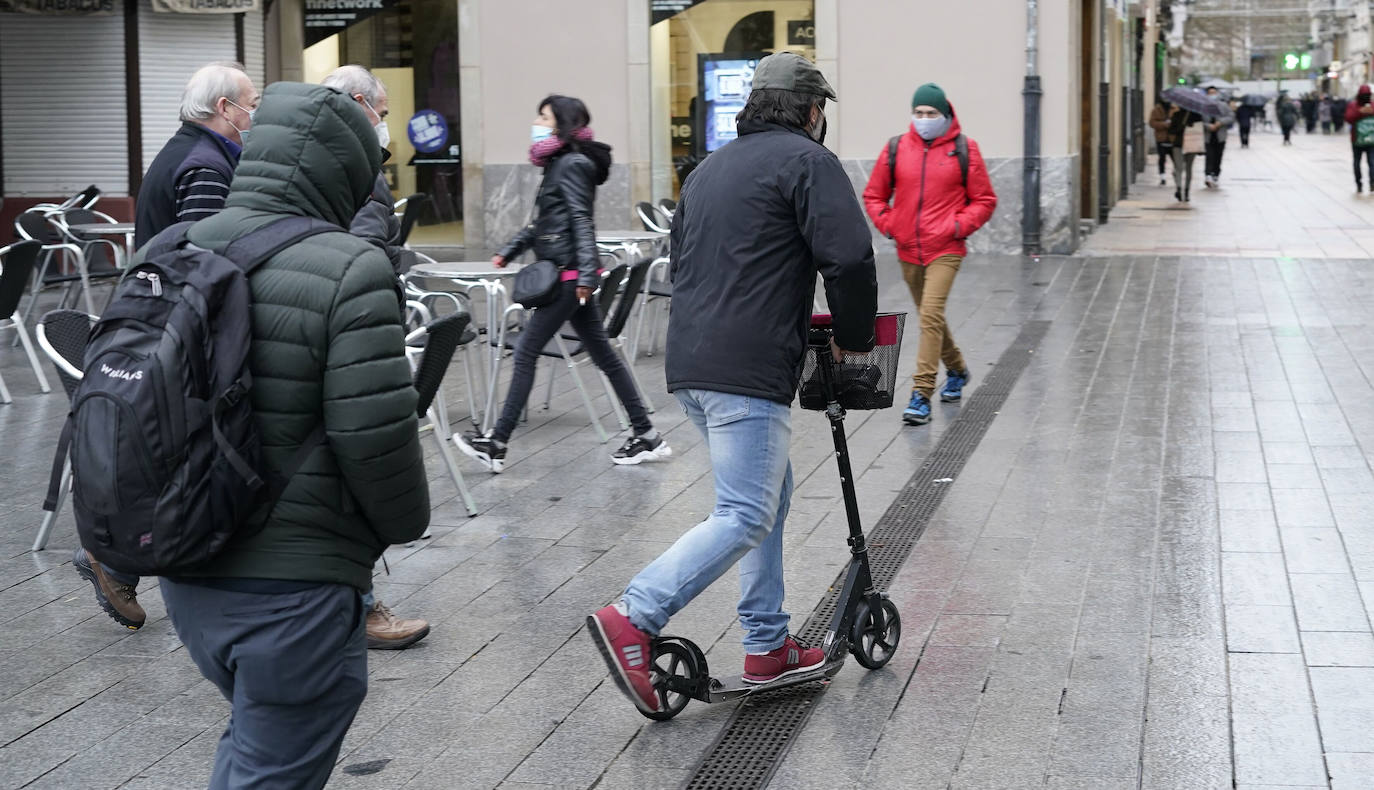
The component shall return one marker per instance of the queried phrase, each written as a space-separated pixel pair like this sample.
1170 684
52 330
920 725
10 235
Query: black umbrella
1254 100
1195 101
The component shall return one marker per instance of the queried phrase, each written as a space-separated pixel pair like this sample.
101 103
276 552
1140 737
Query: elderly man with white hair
189 178
376 221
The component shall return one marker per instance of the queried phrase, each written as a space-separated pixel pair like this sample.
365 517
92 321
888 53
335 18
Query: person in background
1164 144
1338 106
189 178
1183 158
929 210
1360 115
1215 131
574 165
1244 116
376 224
757 220
1324 113
1287 112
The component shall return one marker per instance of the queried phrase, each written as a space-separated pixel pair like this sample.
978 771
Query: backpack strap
59 465
961 151
171 238
253 249
892 161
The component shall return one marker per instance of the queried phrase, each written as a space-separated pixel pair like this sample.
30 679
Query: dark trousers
294 667
1367 153
586 321
1245 133
1212 163
1164 151
1287 133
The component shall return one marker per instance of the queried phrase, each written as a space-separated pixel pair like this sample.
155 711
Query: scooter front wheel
674 666
874 636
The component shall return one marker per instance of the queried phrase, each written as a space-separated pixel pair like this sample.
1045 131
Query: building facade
663 79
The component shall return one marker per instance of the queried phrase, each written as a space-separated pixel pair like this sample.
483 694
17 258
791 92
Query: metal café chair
16 264
668 206
409 209
62 334
651 218
35 225
430 349
422 307
657 289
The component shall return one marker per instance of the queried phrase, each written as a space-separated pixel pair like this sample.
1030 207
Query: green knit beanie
931 94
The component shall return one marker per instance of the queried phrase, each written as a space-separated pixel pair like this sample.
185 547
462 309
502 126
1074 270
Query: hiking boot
489 452
639 449
917 412
626 651
119 600
386 631
790 659
1163 181
954 386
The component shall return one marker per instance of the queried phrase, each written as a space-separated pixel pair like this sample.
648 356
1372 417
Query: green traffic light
1306 61
1182 81
1290 61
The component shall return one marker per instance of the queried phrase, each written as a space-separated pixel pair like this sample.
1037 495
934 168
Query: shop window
703 56
412 46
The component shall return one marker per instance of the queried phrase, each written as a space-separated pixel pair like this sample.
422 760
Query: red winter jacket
1353 114
932 213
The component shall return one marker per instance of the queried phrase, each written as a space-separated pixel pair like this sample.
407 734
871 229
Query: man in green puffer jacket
276 620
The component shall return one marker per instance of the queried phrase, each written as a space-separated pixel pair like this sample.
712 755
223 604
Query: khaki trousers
930 287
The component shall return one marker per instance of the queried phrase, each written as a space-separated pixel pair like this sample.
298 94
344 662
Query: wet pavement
1155 570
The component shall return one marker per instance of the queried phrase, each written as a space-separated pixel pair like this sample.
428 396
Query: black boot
1178 196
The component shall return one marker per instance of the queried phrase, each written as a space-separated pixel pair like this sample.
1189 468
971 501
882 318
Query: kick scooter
866 623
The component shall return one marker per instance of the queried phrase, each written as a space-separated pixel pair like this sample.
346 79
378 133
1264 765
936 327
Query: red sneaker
791 658
626 650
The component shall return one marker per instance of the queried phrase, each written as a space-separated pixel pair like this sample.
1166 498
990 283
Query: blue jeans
748 439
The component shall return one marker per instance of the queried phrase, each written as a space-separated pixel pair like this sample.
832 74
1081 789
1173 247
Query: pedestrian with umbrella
1287 112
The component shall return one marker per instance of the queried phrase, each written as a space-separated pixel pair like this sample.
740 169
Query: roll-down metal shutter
62 117
255 47
170 49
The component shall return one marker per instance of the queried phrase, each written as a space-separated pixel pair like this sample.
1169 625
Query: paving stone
1249 531
1350 770
1243 496
1299 507
1261 629
1338 648
1291 453
1314 550
1273 724
1345 707
1258 579
1328 602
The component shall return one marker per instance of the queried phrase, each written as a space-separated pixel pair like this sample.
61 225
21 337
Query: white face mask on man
383 133
243 133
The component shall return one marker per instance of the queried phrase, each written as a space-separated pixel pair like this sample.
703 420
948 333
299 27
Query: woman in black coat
574 164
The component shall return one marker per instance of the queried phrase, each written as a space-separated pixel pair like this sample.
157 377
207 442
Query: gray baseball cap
789 71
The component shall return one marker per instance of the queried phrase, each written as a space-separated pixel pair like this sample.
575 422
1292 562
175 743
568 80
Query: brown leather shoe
120 601
385 631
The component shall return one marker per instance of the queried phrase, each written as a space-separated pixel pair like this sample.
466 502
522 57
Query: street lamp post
1030 181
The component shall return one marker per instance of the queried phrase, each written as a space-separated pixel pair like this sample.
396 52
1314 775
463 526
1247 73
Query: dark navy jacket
192 148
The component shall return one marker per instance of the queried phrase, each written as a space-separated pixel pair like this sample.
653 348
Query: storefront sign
666 9
324 18
801 32
428 131
682 132
59 7
205 6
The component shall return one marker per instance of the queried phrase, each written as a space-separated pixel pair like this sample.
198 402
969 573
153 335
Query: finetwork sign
205 6
58 7
324 18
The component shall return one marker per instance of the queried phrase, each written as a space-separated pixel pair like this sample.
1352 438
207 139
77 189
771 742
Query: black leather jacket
562 230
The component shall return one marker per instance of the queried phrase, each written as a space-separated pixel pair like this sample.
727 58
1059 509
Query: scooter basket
863 380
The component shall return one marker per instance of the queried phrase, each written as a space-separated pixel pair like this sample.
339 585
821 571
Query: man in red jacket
1360 115
940 195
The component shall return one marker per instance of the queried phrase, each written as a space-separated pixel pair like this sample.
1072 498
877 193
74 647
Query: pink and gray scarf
543 152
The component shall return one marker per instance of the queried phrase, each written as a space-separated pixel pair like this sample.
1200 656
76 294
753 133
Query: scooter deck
734 686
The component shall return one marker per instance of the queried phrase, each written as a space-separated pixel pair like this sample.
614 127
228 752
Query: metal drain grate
756 738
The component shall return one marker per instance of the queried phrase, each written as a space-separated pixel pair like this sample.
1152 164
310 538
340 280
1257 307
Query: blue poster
428 131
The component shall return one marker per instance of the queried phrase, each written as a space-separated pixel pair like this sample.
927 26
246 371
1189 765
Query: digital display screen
725 80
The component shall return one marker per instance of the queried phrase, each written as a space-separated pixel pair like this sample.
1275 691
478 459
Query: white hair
353 80
221 79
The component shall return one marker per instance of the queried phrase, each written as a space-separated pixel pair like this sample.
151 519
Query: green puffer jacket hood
327 347
311 151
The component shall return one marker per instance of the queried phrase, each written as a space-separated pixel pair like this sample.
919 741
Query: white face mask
930 128
538 133
380 127
243 133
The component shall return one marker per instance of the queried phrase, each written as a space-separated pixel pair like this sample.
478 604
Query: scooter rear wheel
873 645
672 660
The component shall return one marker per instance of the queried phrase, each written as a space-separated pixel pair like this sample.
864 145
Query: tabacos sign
59 7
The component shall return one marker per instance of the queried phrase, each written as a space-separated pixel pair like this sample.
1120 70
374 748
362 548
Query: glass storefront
702 55
412 46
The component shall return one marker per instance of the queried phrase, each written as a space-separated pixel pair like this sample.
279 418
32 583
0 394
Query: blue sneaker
917 412
954 385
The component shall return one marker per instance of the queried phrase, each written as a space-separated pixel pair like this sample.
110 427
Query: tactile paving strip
758 734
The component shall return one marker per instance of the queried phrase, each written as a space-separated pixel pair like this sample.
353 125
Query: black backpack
960 150
164 444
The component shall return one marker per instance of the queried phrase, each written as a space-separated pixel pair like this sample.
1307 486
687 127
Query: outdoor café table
491 281
630 241
97 229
